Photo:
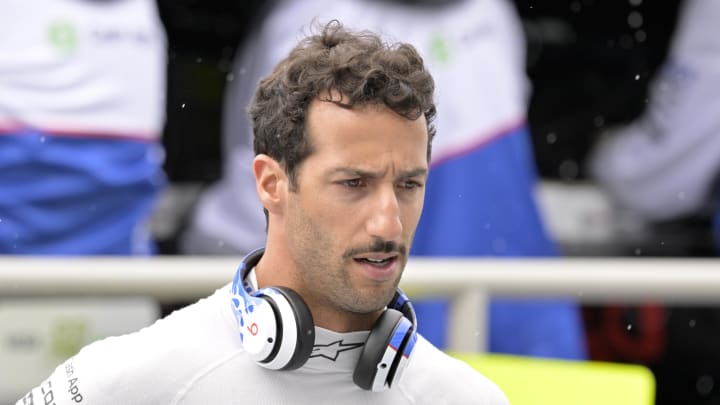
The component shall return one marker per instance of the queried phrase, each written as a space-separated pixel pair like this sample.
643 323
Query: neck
277 268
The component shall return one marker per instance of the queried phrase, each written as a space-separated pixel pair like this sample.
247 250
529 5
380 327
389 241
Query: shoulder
431 369
149 366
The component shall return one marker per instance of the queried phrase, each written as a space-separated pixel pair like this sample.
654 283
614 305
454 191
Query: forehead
366 134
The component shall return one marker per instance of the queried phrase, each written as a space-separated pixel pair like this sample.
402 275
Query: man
343 128
480 197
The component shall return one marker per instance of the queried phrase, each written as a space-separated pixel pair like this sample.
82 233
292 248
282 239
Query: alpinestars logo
331 351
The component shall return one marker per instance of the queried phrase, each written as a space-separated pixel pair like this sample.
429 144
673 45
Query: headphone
278 332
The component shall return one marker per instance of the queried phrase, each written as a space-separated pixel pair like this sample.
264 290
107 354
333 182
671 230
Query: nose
384 221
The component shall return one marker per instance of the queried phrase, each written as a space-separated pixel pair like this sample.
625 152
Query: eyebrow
355 172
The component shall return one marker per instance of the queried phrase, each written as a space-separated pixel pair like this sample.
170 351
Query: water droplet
183 105
575 7
638 252
599 121
499 245
637 77
635 19
229 77
568 170
705 384
551 138
691 323
629 326
635 2
43 139
640 36
198 60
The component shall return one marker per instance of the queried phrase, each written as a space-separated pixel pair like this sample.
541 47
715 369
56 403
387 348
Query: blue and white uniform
480 194
82 108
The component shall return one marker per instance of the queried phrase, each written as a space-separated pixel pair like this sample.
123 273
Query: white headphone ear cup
373 360
296 329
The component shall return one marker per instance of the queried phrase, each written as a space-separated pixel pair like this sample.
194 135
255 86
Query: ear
270 182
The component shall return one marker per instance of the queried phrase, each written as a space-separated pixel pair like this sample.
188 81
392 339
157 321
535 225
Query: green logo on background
63 36
68 336
439 48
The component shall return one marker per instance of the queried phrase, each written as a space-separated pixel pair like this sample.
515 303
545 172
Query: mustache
378 246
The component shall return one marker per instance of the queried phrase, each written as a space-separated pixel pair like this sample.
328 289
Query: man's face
359 197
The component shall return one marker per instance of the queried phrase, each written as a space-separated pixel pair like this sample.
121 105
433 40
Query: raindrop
0 219
198 60
635 2
640 36
638 252
459 195
635 19
183 105
691 323
568 170
637 77
551 138
599 121
43 139
229 77
629 326
575 7
499 245
704 384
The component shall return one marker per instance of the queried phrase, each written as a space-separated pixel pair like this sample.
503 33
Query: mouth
379 266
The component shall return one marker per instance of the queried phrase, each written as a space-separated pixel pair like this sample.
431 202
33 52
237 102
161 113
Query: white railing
467 282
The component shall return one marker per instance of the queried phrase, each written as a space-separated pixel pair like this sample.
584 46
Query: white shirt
194 356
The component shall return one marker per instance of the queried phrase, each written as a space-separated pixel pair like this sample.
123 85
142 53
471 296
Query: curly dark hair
360 67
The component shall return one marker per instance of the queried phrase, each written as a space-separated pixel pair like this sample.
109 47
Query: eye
353 183
410 184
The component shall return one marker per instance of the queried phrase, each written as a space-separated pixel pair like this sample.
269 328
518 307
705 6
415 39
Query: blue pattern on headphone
242 300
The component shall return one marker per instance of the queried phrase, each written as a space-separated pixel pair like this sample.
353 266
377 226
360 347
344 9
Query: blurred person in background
82 109
480 195
664 166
